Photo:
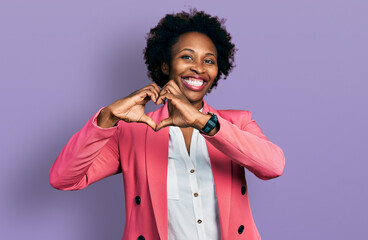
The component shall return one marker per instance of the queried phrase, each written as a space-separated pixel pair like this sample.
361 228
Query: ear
165 68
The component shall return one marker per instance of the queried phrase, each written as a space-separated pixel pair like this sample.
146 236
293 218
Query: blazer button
243 190
141 237
241 229
138 201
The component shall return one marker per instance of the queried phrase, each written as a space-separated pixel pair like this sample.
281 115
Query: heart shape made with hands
181 112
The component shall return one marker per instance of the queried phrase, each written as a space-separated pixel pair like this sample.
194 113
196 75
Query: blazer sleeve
245 144
90 155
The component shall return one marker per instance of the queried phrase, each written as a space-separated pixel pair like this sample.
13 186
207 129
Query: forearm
251 149
88 147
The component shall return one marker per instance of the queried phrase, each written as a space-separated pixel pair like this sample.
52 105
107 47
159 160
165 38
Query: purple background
301 70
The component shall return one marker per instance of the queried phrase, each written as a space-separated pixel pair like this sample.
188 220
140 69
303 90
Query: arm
90 155
243 142
93 152
246 145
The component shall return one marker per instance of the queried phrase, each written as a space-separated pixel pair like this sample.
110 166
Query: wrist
207 122
106 118
201 121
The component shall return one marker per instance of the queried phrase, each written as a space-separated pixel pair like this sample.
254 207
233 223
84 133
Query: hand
131 108
181 112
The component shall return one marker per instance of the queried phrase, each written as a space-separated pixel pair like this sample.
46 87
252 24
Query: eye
209 61
186 57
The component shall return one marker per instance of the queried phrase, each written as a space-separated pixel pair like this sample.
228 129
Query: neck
198 105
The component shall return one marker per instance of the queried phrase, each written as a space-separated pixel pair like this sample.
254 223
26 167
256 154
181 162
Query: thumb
164 123
147 120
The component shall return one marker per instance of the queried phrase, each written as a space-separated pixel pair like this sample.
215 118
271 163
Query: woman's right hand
130 108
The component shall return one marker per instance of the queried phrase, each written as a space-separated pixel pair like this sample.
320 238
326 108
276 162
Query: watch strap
211 124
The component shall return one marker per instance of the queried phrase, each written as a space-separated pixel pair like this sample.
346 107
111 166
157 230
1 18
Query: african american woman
183 164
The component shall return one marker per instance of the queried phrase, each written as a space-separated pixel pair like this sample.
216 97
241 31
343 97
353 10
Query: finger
162 92
156 94
146 87
171 89
164 123
147 120
148 93
153 88
156 87
167 95
173 84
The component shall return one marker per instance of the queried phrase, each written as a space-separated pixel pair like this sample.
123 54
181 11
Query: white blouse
191 197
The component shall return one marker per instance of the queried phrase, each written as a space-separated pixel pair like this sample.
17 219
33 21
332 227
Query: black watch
210 125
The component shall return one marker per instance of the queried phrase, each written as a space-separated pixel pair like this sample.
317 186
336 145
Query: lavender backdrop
301 70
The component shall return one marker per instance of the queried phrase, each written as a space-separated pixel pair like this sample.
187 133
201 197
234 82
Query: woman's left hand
181 112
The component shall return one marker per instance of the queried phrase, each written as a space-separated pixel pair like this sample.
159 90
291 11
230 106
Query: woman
183 164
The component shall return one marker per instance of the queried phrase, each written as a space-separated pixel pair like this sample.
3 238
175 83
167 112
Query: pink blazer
141 154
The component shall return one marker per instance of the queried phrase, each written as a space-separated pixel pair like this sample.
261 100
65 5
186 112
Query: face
193 65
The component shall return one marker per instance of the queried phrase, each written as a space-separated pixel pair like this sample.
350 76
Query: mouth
194 83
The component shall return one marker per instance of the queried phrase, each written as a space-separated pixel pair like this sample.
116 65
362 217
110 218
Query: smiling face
193 65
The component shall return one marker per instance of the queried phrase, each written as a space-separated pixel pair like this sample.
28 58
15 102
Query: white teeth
194 82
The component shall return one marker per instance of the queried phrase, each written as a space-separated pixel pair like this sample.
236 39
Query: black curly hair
161 38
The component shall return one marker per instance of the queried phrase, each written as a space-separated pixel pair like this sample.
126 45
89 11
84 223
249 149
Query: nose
198 67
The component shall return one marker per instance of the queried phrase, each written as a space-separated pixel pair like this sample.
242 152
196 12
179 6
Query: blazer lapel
221 170
157 145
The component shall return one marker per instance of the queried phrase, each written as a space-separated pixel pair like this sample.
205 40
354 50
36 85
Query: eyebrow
191 50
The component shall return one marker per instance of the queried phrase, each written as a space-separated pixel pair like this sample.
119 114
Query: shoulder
237 117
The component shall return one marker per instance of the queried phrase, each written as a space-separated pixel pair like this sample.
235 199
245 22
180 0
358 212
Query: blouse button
199 221
192 170
141 238
195 194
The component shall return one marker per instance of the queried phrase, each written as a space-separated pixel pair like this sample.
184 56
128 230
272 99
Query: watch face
211 124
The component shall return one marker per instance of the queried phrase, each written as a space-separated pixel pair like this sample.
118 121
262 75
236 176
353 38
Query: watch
211 124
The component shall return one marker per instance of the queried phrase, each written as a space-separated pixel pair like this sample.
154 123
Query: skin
194 54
